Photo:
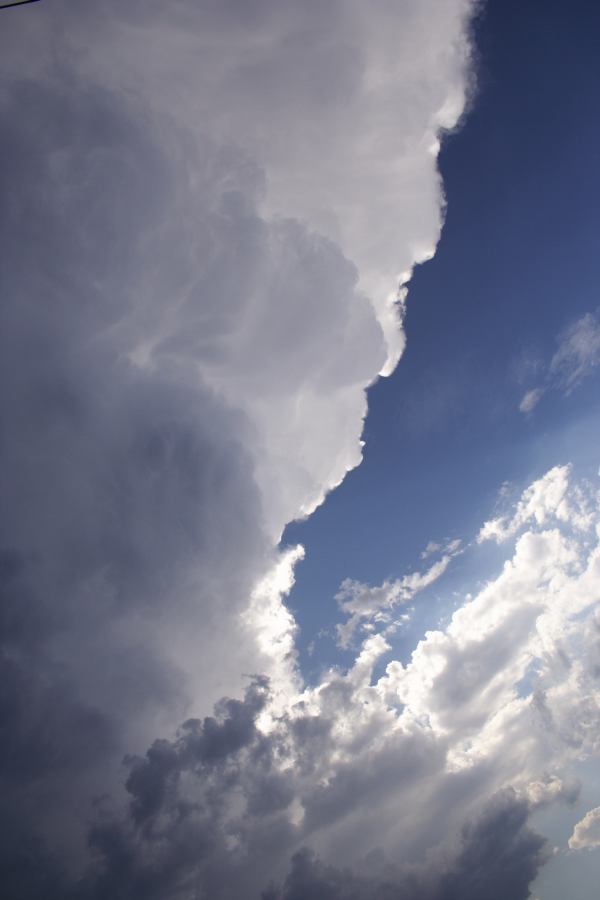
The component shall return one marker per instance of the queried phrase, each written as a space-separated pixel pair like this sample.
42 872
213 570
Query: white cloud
547 499
586 834
339 110
454 736
362 602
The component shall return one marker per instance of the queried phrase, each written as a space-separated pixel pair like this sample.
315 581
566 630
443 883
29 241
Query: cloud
193 307
549 498
211 809
586 834
418 784
498 857
578 352
577 356
341 106
362 602
530 400
192 314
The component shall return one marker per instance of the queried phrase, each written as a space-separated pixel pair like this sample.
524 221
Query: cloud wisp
363 603
577 356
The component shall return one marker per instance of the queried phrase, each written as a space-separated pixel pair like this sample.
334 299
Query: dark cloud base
179 838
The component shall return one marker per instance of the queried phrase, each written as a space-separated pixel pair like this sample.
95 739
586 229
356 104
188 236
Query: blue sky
211 213
518 262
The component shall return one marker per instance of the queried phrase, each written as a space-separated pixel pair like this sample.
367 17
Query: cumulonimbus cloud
208 212
417 783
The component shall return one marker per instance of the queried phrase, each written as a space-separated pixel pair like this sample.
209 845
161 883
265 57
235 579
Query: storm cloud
209 218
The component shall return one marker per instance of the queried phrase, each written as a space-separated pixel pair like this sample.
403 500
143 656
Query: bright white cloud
362 602
332 117
547 499
478 730
586 834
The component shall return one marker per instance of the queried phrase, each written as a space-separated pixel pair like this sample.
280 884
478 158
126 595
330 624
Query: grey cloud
136 266
201 743
187 834
131 523
341 796
28 871
193 306
498 858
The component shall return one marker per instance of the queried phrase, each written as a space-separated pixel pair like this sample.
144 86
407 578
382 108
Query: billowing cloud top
209 211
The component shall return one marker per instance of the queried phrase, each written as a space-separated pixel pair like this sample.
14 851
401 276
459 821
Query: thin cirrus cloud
577 356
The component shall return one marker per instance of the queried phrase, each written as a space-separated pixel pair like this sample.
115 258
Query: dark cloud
182 371
130 518
201 744
205 816
132 531
499 857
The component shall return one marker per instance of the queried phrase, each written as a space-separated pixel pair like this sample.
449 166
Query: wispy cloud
364 603
578 352
531 399
577 356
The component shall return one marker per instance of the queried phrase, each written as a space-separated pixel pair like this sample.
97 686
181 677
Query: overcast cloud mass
210 211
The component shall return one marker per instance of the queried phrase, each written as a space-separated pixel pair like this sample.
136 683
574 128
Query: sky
300 531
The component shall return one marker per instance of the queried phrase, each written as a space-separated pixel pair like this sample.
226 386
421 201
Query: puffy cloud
335 115
547 499
586 834
416 784
193 307
342 106
183 372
